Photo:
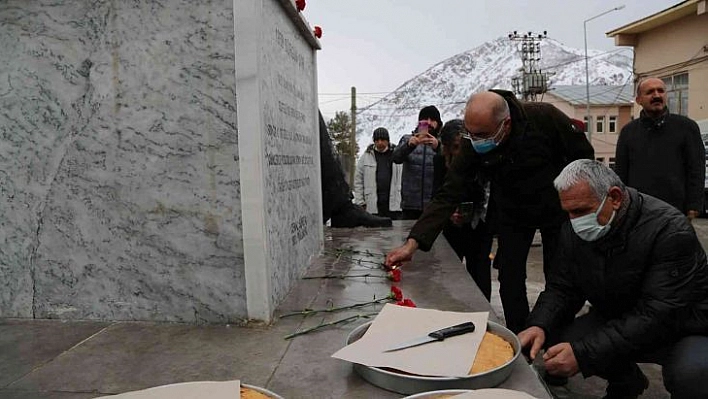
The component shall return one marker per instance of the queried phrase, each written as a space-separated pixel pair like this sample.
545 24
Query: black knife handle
452 331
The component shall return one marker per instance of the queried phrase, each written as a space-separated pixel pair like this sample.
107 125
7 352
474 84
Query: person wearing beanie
337 204
431 114
415 152
377 182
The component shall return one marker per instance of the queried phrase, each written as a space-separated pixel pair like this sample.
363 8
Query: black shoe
629 389
354 216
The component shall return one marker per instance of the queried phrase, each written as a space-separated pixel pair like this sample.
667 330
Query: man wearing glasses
520 148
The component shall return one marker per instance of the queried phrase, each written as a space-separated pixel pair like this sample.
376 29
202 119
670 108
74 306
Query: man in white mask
639 263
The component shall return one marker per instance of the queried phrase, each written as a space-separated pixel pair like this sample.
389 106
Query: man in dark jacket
662 154
638 262
416 151
520 149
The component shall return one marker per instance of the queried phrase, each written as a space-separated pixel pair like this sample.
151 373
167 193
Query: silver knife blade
438 335
411 343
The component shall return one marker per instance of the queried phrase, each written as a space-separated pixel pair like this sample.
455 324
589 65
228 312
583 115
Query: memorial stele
159 160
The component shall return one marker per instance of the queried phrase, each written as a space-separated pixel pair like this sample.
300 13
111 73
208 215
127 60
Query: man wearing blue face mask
519 148
638 261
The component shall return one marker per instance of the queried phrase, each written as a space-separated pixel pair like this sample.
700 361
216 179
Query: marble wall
120 194
278 125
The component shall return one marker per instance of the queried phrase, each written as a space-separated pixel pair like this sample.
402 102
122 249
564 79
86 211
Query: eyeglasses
483 136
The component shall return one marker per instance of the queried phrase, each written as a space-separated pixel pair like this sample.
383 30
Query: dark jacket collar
651 122
619 234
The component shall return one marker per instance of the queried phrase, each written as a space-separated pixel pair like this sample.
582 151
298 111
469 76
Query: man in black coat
639 263
661 153
520 149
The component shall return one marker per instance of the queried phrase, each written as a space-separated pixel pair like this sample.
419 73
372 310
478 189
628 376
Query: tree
340 129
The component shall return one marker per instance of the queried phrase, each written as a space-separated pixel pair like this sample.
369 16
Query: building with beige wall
610 110
673 45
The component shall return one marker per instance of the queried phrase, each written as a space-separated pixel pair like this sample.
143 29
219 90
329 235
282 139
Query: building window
677 93
612 163
612 126
600 125
600 159
585 121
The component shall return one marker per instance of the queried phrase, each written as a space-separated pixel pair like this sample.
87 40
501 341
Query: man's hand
404 253
560 360
692 215
534 337
429 139
414 141
457 218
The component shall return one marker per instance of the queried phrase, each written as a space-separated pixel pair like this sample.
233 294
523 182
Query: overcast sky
377 45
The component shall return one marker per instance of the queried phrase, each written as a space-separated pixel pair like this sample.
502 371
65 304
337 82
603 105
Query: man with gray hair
639 263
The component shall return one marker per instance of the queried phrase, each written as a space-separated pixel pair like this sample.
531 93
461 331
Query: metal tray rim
410 384
263 391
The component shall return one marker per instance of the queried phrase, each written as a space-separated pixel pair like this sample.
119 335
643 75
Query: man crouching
639 263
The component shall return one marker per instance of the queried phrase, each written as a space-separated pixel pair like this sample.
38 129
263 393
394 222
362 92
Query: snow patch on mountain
492 65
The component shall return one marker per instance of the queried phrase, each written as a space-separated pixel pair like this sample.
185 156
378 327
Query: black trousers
474 245
684 362
411 214
514 244
336 193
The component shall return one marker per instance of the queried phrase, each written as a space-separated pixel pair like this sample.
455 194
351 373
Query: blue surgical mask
588 228
483 146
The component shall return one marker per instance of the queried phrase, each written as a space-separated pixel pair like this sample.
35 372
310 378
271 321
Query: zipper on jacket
422 180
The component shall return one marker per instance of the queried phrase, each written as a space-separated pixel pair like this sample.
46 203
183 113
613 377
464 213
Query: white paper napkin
395 324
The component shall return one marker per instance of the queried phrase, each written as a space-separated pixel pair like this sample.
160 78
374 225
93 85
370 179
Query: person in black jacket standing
468 231
639 263
661 153
520 148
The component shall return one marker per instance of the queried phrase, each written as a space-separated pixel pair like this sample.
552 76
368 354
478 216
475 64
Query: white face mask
588 228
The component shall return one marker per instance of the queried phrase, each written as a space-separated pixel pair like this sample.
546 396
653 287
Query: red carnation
318 32
406 302
394 275
300 4
396 294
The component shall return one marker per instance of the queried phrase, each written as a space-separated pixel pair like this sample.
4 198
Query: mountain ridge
449 83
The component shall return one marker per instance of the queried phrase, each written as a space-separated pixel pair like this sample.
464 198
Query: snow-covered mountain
449 83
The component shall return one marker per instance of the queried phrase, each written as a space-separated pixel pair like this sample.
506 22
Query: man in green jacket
520 148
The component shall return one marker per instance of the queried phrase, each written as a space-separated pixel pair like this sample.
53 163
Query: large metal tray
410 384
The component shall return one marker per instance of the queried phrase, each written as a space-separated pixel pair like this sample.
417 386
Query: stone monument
159 160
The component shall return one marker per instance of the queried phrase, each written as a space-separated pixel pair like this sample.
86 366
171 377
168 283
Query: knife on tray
435 336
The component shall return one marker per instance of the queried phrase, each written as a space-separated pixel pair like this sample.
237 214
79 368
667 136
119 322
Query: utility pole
589 126
353 140
533 81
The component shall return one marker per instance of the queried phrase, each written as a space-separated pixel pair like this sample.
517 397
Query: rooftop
660 18
599 95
